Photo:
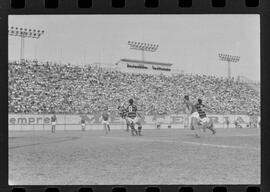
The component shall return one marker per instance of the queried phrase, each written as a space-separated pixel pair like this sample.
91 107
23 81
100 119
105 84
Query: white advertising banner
73 122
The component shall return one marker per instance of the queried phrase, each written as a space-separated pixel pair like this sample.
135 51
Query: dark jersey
190 106
105 116
83 121
132 111
201 112
53 119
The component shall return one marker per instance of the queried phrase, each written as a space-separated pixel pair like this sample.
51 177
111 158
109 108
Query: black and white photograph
154 99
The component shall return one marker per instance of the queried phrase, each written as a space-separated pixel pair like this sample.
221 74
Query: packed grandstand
36 88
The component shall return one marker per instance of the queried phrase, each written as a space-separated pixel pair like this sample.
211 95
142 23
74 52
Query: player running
194 124
105 120
132 118
204 120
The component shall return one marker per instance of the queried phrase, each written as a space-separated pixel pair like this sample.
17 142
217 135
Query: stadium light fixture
229 59
140 46
24 33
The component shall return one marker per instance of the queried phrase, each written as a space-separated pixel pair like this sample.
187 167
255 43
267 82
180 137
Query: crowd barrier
22 122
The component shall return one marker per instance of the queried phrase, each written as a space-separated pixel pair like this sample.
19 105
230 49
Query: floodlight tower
24 33
229 59
143 47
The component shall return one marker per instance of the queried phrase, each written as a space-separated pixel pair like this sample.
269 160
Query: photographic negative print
134 99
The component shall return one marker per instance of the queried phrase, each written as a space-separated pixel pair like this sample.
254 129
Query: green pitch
171 156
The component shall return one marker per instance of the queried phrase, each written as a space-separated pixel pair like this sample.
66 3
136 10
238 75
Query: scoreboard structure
147 67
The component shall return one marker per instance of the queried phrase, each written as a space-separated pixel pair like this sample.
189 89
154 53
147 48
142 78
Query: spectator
43 87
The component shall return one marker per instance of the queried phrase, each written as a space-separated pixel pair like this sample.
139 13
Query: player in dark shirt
83 123
133 118
198 107
204 120
53 120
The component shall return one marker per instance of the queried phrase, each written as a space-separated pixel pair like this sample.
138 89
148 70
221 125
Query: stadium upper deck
43 88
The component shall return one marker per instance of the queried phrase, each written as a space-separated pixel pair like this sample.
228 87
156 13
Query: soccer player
83 123
105 122
204 120
53 120
132 118
194 125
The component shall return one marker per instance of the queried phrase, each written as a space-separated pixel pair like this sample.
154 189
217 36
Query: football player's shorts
195 114
105 122
130 120
53 123
205 120
83 124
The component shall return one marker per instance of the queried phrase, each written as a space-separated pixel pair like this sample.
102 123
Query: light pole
229 59
143 47
24 33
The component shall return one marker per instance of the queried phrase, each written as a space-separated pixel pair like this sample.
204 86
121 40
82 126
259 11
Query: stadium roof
146 62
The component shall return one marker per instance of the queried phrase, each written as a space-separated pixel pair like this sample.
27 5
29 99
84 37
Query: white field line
250 135
220 146
136 139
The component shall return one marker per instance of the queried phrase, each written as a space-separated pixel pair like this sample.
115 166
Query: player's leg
133 130
53 127
132 127
210 126
202 123
108 126
196 126
130 124
140 130
139 127
105 127
195 123
127 125
127 129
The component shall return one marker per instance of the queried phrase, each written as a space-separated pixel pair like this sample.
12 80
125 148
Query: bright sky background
190 42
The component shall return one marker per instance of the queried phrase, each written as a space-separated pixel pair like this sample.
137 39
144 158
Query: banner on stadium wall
20 121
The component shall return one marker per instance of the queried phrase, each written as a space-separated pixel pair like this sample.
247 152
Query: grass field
171 156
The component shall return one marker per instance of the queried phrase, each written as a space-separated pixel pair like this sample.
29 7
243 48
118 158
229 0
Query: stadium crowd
63 88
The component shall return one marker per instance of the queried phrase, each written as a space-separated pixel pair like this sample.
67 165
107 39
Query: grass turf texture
172 156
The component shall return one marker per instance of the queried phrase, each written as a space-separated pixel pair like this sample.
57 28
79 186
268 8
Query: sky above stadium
190 42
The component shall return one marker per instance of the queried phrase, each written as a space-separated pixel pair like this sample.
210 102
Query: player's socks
136 132
139 131
132 132
109 129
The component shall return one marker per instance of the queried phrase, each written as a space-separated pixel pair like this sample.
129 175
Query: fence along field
21 122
